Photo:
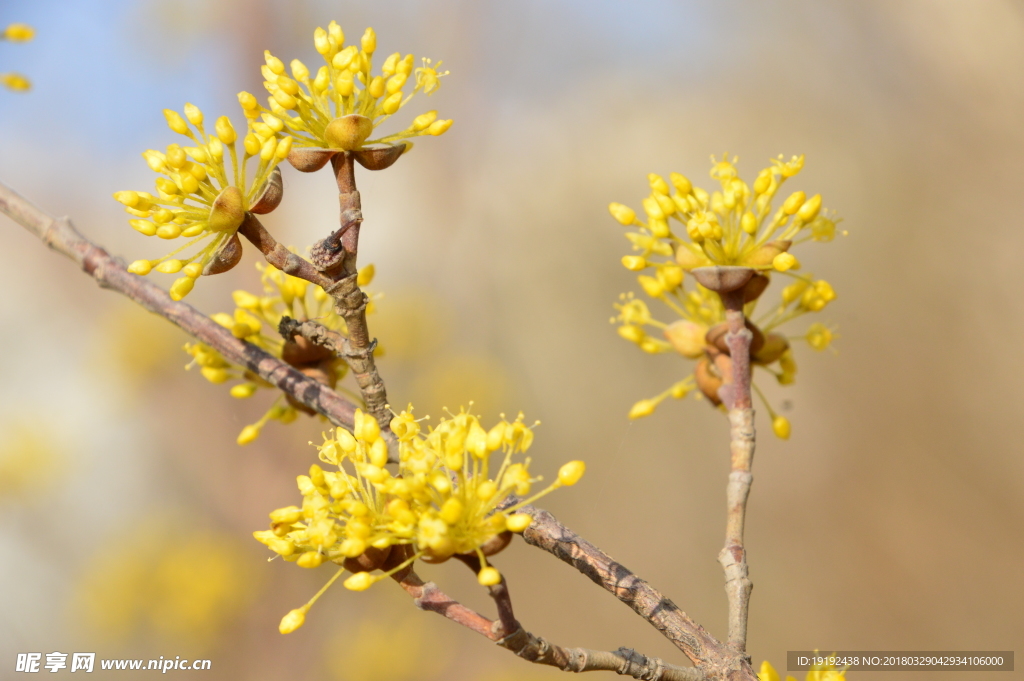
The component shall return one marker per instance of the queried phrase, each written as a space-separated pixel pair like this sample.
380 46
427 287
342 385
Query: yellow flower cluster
16 33
345 86
442 500
727 227
818 672
283 295
197 199
731 226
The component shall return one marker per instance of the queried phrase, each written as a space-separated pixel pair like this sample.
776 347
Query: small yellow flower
340 105
198 200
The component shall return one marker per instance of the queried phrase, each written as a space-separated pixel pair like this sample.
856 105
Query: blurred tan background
892 520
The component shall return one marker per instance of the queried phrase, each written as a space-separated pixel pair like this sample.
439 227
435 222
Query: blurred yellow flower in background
16 33
28 459
167 578
367 649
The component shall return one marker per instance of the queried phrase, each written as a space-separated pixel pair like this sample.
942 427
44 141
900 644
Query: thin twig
279 256
499 593
428 596
109 272
735 394
545 532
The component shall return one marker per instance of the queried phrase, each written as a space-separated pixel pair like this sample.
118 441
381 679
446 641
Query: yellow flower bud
651 286
181 287
451 511
378 454
248 101
793 203
293 620
518 522
140 267
624 214
681 184
226 131
643 408
336 35
423 121
193 114
376 87
486 490
243 390
748 223
570 473
396 83
268 150
496 436
369 41
681 389
310 559
252 144
391 64
175 122
634 263
171 231
299 70
785 261
489 576
169 266
360 581
127 198
320 41
366 427
344 58
273 63
658 184
632 333
809 210
392 103
439 127
780 425
284 99
287 85
670 277
653 209
248 434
